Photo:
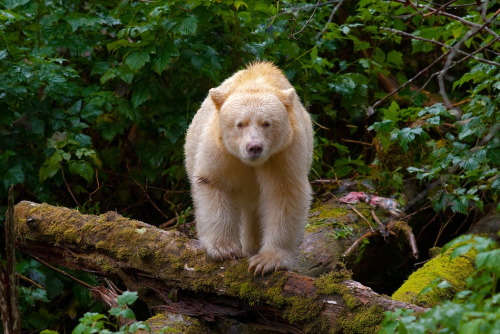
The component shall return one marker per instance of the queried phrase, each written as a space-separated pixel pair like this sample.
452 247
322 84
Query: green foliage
461 152
342 231
100 323
40 299
474 310
102 93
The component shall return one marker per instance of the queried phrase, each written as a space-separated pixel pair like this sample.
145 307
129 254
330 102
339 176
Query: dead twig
437 10
361 215
320 126
357 241
468 55
453 51
443 13
296 9
62 272
356 142
292 34
30 281
334 10
68 187
143 190
376 104
377 219
98 185
329 181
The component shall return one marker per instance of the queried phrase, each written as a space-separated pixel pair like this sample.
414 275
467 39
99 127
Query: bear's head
255 124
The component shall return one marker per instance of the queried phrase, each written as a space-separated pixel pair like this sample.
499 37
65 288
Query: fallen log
172 273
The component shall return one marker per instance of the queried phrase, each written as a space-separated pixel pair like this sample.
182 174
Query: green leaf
140 95
384 127
82 168
127 298
127 313
108 75
395 59
392 113
13 176
83 139
343 85
136 60
379 57
163 56
139 325
407 136
109 130
54 287
470 164
188 26
51 166
12 4
489 260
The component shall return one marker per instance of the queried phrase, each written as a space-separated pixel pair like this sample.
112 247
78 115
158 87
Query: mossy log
455 272
171 273
441 267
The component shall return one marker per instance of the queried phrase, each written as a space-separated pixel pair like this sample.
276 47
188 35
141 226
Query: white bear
248 154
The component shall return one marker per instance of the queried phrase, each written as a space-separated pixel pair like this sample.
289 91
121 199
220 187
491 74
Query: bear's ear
217 96
287 96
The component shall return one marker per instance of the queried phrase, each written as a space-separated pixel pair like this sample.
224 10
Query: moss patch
301 309
364 320
162 323
274 294
325 215
440 267
329 284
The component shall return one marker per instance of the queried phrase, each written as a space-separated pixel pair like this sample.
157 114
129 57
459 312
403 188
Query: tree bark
171 273
9 308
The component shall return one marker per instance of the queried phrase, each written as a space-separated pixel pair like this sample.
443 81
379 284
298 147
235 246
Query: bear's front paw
221 253
268 261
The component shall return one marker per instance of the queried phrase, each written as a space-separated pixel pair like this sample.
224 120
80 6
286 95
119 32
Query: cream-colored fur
248 154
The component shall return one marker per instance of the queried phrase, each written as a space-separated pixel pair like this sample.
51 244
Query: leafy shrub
474 310
43 291
100 323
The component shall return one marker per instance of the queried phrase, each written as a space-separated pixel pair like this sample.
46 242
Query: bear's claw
224 253
266 262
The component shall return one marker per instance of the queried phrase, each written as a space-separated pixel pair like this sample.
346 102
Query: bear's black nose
254 149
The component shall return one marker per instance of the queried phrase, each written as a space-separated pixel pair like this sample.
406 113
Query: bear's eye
239 125
266 124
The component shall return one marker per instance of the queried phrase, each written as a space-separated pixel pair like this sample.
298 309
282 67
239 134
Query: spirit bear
248 154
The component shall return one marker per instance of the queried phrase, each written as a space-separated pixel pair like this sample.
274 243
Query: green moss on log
174 324
440 267
362 320
301 309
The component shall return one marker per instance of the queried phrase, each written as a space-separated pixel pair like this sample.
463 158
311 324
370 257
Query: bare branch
334 10
307 22
453 51
468 55
376 104
296 9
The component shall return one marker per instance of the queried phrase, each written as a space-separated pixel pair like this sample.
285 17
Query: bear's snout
254 149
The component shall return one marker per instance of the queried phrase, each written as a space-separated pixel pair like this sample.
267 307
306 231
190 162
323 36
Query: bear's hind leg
217 223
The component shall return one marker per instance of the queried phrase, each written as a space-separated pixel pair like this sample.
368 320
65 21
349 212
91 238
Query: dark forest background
96 96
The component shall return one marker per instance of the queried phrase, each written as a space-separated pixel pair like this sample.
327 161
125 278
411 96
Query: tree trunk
171 273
